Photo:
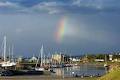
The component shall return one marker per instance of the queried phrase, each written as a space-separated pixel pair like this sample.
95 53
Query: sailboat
6 63
41 68
105 64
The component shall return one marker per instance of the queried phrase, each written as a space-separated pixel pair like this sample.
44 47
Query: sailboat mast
2 47
44 60
37 60
41 56
9 54
105 59
12 53
4 51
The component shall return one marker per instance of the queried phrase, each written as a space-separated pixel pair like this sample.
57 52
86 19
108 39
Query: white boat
41 68
105 64
6 63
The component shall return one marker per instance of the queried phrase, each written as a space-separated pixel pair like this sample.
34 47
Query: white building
33 59
110 57
99 60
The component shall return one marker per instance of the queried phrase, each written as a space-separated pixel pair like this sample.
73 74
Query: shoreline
44 77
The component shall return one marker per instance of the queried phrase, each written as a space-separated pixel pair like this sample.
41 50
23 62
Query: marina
82 72
58 65
75 71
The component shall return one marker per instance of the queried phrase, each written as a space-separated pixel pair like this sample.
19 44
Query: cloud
77 6
8 4
50 7
77 2
89 3
55 6
97 4
10 7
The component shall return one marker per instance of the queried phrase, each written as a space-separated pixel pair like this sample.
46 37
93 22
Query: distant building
85 59
110 57
33 59
75 59
20 59
99 60
57 58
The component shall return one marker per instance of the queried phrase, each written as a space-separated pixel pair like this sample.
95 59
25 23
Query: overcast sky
28 24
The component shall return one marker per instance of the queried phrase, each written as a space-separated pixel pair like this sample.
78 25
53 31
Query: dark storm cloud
92 25
60 6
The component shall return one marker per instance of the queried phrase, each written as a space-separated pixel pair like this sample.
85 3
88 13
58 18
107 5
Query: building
33 59
110 57
99 60
20 59
57 58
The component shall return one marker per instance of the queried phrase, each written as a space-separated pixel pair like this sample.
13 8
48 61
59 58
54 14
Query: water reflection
80 70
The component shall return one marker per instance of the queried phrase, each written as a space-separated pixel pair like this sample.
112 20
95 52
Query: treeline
92 57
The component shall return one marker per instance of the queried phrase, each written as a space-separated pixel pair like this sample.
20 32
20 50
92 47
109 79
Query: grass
112 75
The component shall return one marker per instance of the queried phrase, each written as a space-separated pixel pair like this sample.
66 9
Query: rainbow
61 30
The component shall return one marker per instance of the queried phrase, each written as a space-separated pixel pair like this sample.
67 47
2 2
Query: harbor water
66 73
82 70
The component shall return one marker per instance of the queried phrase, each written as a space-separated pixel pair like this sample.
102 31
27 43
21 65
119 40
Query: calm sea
83 69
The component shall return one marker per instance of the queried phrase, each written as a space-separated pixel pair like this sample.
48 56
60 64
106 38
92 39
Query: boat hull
20 72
